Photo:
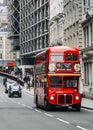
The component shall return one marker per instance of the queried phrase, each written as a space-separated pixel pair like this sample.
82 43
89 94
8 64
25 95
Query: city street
20 114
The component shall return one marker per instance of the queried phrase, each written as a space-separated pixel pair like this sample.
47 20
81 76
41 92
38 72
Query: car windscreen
56 82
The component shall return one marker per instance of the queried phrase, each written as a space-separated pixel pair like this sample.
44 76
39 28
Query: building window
0 38
87 35
14 55
0 46
91 33
84 37
86 73
88 3
0 56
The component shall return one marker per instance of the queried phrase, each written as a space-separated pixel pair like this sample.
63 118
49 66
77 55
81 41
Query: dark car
15 89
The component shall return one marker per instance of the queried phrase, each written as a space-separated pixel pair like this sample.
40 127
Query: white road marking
63 121
29 107
18 103
38 111
81 127
23 105
48 115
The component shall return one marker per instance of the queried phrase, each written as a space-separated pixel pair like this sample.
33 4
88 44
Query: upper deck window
71 57
56 57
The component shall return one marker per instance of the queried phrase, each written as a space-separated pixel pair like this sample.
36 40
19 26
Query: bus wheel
36 101
46 105
77 107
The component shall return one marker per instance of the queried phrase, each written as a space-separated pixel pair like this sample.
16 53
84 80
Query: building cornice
90 48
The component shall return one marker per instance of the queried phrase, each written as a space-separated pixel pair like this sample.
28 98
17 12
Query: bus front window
70 83
55 82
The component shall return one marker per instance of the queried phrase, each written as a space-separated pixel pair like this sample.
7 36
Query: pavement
86 103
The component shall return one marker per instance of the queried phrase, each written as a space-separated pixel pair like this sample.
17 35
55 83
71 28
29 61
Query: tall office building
34 34
13 27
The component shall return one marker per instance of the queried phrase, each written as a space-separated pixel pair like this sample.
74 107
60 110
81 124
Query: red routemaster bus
56 78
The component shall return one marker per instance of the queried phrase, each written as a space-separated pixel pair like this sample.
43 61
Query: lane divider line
38 111
63 121
80 127
48 115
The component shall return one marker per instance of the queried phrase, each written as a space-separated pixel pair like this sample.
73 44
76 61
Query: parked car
7 84
15 89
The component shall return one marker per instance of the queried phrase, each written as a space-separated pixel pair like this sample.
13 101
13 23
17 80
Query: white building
72 24
5 46
56 22
87 51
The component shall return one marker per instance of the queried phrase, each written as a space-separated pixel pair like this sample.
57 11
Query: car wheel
5 91
9 95
20 95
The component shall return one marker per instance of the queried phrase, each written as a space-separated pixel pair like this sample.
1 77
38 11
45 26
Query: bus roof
58 49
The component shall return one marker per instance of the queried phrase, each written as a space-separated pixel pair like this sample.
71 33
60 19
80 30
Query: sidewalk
86 103
31 92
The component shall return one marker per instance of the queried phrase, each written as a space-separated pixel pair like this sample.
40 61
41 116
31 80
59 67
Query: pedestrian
26 81
4 81
28 78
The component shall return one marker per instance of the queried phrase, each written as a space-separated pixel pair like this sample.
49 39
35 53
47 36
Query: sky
1 1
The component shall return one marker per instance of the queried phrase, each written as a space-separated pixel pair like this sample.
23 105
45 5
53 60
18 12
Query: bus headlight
51 67
77 97
51 97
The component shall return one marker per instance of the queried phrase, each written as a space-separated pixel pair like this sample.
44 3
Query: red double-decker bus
56 78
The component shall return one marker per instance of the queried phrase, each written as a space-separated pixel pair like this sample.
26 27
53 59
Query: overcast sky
1 1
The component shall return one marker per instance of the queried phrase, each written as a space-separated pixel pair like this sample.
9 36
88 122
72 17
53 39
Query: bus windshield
55 82
70 83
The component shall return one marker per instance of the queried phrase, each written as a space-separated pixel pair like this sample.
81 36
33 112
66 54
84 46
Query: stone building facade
72 24
56 22
5 47
87 50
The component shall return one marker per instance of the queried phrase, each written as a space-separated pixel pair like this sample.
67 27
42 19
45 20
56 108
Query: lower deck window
70 83
55 82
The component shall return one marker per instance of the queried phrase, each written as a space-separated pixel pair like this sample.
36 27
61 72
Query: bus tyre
77 107
36 101
46 105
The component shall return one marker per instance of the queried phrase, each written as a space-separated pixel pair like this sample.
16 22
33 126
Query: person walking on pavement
4 81
26 81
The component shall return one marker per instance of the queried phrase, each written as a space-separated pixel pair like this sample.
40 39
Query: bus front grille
65 99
